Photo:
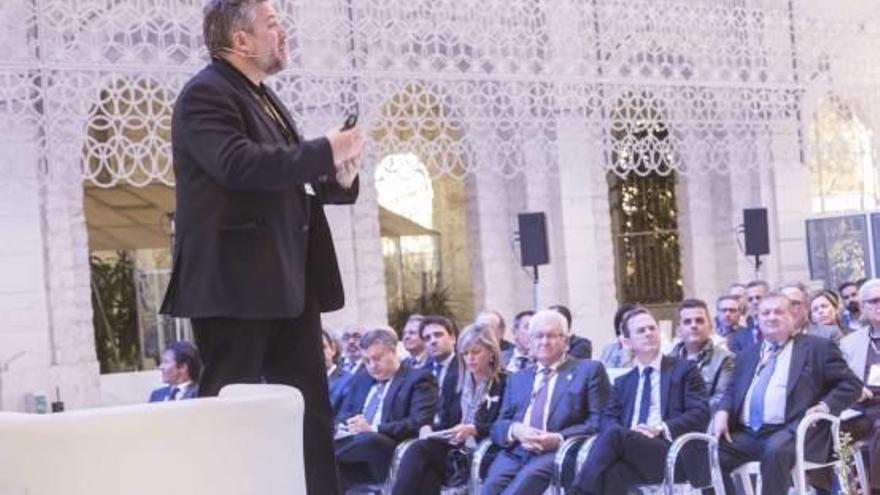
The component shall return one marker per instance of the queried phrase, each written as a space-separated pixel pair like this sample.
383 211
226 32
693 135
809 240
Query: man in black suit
440 335
578 347
751 334
660 399
774 386
413 342
254 263
181 368
388 404
727 317
543 405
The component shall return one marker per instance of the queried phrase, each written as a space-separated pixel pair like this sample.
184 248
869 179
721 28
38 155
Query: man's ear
240 41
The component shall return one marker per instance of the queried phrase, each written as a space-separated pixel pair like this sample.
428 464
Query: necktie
536 418
522 362
172 395
436 369
373 404
645 400
759 390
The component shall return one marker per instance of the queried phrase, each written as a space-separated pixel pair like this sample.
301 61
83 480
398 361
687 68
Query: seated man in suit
774 385
413 343
440 334
336 376
518 357
383 407
543 405
578 347
660 399
352 361
727 316
696 344
181 367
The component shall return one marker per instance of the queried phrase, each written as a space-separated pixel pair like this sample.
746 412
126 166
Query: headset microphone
247 55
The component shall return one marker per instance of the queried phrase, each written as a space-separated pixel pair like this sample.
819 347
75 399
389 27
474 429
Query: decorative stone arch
419 120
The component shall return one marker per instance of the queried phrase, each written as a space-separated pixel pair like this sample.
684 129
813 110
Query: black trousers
619 460
423 468
773 446
364 458
288 352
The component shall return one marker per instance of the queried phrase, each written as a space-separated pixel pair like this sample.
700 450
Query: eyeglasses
873 302
349 336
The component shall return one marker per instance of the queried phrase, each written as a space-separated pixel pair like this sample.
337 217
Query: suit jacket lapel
563 382
529 384
666 365
799 352
393 388
750 364
630 383
285 115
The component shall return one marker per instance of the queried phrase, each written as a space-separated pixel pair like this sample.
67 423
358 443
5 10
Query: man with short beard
849 294
254 264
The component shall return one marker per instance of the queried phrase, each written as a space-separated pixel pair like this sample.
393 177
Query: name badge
874 376
309 189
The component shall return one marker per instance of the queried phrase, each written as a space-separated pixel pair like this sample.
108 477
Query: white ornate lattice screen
466 84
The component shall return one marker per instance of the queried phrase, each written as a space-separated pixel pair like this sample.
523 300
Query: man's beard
852 306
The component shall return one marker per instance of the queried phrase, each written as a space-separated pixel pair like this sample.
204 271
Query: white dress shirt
655 416
774 397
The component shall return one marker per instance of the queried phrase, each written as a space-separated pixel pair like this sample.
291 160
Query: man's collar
331 370
704 351
447 360
553 367
183 385
230 65
655 363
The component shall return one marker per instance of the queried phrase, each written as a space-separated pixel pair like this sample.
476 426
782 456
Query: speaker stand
535 288
758 264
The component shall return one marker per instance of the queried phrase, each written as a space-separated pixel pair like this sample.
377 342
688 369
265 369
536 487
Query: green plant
844 474
114 305
435 301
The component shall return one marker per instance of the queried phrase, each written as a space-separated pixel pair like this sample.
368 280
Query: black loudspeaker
533 239
757 235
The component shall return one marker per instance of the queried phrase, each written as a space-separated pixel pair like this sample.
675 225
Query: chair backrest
248 440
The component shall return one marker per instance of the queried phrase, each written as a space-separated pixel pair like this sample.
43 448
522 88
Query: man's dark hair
522 314
758 283
629 315
224 17
186 354
692 303
437 320
618 316
337 352
845 285
563 311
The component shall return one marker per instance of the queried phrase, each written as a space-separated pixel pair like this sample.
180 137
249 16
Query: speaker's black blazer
247 236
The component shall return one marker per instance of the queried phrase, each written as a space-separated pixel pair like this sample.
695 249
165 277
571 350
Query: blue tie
645 400
756 405
438 367
372 406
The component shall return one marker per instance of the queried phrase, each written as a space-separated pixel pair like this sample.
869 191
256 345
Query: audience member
423 469
825 310
862 351
774 385
615 355
755 291
852 314
413 342
351 350
542 406
381 408
519 357
337 378
181 368
738 290
440 333
578 347
660 399
798 297
714 362
495 321
728 317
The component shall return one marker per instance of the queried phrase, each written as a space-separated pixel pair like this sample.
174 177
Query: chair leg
861 472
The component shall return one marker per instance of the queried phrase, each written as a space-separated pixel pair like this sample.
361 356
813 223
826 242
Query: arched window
842 173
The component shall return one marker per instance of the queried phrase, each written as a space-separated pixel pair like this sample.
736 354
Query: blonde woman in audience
426 464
